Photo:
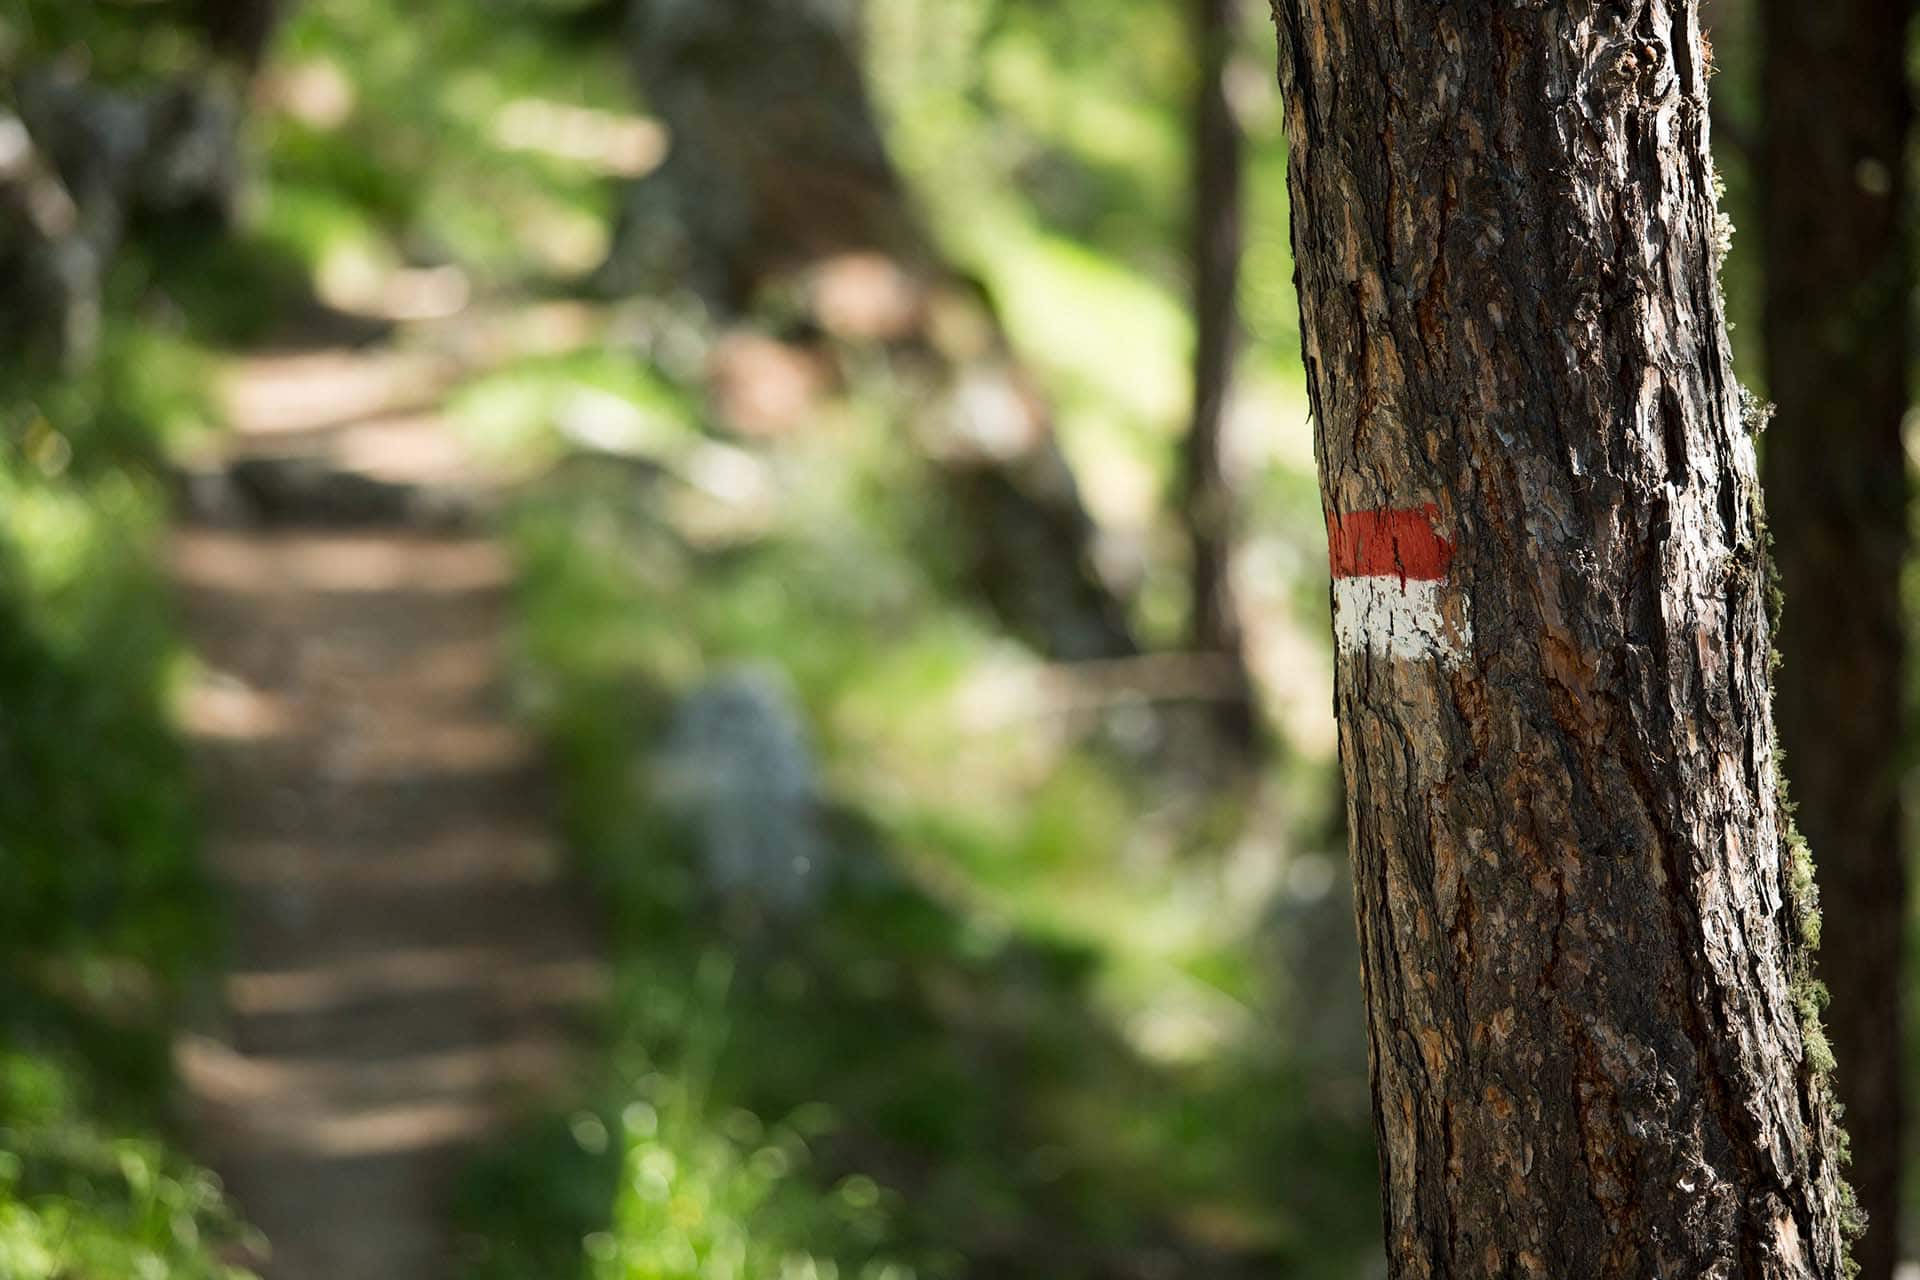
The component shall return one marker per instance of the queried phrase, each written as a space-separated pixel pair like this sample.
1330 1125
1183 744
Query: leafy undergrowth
103 917
444 132
1031 1024
79 1196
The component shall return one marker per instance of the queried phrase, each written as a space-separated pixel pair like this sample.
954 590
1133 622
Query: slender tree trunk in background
1584 934
1839 282
1208 500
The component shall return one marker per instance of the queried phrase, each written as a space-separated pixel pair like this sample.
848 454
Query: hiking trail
410 964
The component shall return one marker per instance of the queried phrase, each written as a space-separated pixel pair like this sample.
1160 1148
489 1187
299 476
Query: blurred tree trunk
778 166
777 161
240 29
1839 282
1208 499
1585 931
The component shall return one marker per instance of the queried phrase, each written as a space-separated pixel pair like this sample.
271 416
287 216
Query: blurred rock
737 770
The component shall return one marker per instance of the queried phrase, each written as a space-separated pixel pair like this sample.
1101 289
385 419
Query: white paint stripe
1397 619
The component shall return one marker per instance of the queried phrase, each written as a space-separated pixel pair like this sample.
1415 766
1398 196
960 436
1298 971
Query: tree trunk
777 159
1584 927
778 167
1838 280
1208 500
240 29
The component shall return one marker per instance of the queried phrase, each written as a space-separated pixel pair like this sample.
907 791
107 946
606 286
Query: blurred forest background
916 587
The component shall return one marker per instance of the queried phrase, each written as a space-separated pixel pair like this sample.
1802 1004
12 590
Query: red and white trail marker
1389 587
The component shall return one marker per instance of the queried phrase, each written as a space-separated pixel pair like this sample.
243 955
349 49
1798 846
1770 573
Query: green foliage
522 416
135 41
101 844
727 1197
1071 123
104 913
80 1199
958 1027
1049 143
417 168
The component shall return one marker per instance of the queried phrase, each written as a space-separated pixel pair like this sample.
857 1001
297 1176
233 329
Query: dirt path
409 963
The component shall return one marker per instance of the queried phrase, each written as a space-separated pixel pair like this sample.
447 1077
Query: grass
80 1197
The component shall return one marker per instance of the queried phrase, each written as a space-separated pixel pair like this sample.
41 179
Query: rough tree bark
1838 280
1207 497
778 165
1584 932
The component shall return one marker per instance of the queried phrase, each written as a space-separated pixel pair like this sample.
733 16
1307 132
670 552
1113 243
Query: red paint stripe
1401 544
